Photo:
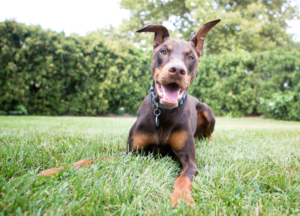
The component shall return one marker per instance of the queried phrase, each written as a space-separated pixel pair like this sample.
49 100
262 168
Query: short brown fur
50 172
82 163
153 63
205 121
177 140
182 189
157 73
142 140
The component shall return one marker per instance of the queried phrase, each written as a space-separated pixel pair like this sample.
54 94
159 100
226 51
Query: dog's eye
190 58
163 52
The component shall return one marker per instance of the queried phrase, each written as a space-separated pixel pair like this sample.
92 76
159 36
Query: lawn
252 166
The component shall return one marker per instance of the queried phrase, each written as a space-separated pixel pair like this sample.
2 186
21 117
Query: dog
169 119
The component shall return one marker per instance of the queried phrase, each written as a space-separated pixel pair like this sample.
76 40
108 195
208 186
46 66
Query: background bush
52 74
242 83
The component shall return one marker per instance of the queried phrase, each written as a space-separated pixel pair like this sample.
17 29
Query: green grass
252 166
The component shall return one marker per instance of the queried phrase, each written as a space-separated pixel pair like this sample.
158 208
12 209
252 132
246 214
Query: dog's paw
186 195
82 163
50 172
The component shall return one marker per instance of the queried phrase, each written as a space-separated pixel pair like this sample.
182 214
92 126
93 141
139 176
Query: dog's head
174 62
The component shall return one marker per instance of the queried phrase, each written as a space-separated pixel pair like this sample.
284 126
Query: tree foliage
246 25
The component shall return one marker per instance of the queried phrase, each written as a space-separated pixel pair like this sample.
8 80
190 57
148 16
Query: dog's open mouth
170 94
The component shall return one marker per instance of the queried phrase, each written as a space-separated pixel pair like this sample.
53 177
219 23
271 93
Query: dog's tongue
171 92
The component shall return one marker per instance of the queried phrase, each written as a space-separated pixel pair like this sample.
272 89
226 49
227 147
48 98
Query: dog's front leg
183 184
77 165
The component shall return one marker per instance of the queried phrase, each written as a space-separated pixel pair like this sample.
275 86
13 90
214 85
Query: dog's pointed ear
199 37
161 32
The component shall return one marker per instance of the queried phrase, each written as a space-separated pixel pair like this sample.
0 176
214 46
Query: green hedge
242 83
52 74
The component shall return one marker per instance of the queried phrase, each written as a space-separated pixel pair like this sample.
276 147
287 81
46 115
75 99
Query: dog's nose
177 71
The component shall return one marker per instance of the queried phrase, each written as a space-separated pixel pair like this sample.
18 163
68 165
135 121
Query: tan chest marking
177 140
142 140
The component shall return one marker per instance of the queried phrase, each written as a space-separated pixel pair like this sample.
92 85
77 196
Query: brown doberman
169 119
